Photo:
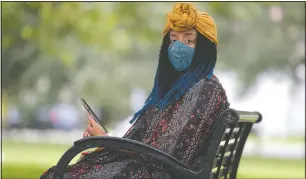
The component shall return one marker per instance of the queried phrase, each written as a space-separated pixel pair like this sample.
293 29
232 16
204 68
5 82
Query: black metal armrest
250 117
124 144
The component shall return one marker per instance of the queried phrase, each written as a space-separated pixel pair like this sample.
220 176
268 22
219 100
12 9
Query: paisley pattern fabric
181 130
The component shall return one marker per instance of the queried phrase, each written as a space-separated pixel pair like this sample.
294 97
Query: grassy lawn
251 167
27 161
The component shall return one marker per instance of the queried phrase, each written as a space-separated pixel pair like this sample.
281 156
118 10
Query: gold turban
184 16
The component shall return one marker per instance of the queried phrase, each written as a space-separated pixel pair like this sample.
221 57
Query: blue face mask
180 55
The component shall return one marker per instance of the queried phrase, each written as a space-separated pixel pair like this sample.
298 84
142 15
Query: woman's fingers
93 128
90 126
86 134
90 131
89 121
92 123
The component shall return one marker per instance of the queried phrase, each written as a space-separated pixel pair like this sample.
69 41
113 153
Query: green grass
254 167
31 160
25 153
23 160
22 171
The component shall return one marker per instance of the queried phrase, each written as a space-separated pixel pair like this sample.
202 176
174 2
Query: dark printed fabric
181 130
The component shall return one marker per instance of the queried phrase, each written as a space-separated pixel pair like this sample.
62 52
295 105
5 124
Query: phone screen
90 111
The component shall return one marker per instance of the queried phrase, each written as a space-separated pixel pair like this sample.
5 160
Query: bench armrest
124 144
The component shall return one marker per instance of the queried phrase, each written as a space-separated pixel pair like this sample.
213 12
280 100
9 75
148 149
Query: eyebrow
189 34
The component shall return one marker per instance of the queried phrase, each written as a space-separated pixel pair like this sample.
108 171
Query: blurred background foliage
103 50
53 53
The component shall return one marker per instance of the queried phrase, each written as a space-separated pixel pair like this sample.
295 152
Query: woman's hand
93 128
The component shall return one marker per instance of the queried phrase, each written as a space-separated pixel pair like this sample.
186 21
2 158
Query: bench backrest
224 152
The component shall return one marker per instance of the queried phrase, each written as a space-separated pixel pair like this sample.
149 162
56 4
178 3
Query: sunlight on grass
31 160
251 167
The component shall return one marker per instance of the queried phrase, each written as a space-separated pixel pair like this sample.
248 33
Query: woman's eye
188 41
172 41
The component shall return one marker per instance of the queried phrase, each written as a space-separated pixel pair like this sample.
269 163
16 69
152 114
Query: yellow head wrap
184 16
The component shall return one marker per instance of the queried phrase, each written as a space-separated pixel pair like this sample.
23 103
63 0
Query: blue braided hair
169 85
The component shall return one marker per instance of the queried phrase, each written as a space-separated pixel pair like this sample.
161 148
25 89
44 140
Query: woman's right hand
93 128
86 134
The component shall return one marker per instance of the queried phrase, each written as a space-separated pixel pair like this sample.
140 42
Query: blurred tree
260 37
101 47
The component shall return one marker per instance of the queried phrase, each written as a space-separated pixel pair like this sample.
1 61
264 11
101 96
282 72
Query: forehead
186 32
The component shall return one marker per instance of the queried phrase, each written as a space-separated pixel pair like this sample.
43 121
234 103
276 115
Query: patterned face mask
180 55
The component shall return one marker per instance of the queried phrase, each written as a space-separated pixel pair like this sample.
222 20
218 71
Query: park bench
221 159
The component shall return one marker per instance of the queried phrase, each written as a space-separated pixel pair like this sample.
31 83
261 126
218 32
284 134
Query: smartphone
90 111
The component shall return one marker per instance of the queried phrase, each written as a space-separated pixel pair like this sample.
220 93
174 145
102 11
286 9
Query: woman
179 114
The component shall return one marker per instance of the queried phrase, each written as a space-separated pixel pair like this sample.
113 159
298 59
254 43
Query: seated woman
179 114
